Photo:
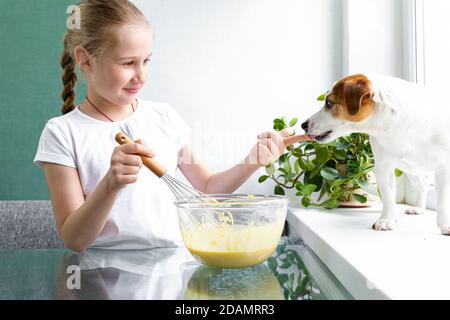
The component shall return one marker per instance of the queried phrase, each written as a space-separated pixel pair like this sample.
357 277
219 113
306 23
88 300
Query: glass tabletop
293 272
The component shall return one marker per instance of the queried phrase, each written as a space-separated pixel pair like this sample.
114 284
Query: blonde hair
97 19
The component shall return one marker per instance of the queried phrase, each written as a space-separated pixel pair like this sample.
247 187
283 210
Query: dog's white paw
445 229
415 211
383 225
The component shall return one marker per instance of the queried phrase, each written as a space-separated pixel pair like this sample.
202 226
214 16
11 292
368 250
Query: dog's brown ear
357 92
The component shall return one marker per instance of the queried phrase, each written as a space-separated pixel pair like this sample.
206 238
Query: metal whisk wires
221 219
186 193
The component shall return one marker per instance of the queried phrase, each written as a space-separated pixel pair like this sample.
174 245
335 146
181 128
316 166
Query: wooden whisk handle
150 163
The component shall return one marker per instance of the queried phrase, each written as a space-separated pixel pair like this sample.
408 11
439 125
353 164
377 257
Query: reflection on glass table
293 272
256 283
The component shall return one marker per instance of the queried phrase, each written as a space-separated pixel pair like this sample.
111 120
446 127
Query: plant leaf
262 179
305 282
317 180
336 183
282 159
272 263
306 201
310 145
287 166
310 165
329 173
307 189
293 122
278 127
270 169
342 145
398 172
296 166
279 190
322 96
285 264
302 164
340 154
359 198
286 294
279 124
283 277
322 155
316 170
367 186
289 177
279 120
330 204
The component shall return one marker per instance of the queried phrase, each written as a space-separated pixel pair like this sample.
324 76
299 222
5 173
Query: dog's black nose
305 125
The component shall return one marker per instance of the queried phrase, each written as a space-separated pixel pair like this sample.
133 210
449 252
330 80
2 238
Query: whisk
184 192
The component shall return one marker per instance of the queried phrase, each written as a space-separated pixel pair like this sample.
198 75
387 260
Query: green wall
31 33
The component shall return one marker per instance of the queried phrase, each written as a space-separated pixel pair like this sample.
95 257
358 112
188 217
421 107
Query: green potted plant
339 173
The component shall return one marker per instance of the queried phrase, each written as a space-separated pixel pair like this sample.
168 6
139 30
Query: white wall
373 37
231 66
436 44
374 42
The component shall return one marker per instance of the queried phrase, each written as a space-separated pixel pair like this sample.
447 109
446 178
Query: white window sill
411 262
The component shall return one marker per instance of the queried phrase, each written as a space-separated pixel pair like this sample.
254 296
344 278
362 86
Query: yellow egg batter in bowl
233 231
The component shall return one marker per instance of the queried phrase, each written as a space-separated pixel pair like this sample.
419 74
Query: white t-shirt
143 215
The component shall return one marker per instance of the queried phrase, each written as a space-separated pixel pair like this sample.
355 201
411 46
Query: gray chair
28 224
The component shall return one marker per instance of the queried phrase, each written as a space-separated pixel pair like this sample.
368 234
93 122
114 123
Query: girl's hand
126 163
271 145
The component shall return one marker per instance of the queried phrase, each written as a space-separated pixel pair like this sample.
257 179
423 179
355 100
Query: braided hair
69 79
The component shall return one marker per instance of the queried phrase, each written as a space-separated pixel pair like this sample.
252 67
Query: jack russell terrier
409 129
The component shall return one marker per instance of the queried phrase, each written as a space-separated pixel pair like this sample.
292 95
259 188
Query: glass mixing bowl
232 231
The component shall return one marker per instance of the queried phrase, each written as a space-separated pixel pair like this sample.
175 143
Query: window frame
414 66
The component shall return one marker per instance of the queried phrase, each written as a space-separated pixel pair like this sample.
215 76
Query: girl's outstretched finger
297 138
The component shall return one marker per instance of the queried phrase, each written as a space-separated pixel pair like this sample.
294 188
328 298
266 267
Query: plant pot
371 200
356 204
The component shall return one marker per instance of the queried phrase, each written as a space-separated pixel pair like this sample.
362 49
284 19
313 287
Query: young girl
100 196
